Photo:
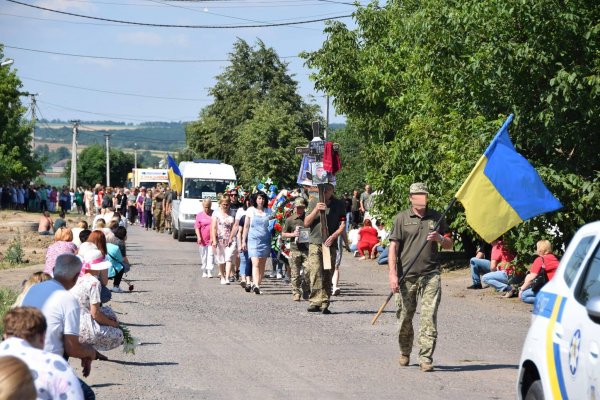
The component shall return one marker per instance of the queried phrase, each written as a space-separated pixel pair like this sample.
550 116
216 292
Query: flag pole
414 260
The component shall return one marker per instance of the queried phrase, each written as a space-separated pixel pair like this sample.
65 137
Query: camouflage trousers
298 261
159 220
429 288
319 278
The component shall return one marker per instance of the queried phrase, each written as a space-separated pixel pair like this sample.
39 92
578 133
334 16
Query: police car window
577 258
590 285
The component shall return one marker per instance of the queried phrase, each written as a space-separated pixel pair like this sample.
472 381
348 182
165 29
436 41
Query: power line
125 58
122 116
182 26
236 4
118 93
205 11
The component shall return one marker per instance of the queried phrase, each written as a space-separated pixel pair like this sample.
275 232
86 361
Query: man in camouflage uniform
170 195
298 251
411 228
159 210
319 277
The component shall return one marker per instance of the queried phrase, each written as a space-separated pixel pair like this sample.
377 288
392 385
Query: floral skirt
101 337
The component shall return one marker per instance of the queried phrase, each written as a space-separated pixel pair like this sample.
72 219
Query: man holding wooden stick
411 229
321 243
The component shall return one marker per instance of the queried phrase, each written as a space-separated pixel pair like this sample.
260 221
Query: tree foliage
16 160
91 166
256 119
428 83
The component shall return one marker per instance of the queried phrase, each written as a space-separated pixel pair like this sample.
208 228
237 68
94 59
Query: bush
7 298
15 253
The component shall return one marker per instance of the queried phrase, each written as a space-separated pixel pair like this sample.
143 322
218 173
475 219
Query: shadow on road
143 364
480 367
128 324
101 385
361 312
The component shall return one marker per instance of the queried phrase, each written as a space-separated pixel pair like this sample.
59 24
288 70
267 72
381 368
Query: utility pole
327 120
73 180
33 106
135 156
107 137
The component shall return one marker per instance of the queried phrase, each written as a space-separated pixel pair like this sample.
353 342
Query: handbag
540 280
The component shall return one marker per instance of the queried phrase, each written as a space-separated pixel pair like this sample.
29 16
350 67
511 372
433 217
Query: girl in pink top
202 228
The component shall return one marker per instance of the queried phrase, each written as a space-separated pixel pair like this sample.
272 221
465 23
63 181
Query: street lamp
7 62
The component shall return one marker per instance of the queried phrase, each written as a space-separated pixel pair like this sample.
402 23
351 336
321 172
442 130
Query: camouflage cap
299 202
419 188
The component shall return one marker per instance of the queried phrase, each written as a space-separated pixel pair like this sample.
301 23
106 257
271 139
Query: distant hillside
167 136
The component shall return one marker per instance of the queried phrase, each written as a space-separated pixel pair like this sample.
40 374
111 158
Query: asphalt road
202 340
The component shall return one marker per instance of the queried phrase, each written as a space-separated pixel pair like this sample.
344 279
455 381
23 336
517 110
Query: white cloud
153 39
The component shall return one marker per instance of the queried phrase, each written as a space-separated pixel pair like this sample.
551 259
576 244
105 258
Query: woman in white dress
98 325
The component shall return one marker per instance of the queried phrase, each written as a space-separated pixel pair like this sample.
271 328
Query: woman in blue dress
258 236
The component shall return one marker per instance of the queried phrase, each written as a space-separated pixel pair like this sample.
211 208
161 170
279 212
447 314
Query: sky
72 88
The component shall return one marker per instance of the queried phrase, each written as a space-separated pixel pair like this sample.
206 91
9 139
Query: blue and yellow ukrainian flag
175 177
503 189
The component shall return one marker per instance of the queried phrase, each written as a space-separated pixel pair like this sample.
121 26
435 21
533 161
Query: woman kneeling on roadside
546 260
98 325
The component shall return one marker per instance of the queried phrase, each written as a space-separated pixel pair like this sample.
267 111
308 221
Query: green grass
7 298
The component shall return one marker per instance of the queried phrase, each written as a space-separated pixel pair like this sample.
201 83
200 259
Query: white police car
561 355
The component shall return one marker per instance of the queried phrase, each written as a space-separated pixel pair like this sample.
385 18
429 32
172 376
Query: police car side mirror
593 309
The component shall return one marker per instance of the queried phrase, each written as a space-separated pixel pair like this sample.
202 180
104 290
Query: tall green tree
249 96
429 82
91 166
16 159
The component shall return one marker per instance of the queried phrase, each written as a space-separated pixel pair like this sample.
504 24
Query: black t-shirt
348 203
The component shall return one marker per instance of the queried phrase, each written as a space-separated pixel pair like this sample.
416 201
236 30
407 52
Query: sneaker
273 275
279 276
209 274
426 367
313 308
475 286
248 288
356 253
116 289
205 275
256 290
231 279
243 284
224 281
296 297
404 360
336 291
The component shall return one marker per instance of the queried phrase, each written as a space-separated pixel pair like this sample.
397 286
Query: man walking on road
320 278
366 201
159 211
411 228
298 248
